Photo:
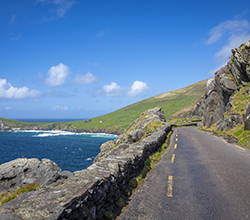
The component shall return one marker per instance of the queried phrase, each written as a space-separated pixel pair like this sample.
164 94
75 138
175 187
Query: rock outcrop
90 193
19 172
133 133
216 105
3 127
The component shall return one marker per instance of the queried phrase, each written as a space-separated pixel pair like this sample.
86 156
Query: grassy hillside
170 102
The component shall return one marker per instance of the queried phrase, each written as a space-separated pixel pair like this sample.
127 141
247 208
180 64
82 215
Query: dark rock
10 217
20 172
247 120
133 133
230 122
221 89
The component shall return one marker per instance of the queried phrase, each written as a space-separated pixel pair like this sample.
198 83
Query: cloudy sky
82 58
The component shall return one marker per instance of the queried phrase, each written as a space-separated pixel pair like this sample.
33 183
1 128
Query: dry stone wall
89 193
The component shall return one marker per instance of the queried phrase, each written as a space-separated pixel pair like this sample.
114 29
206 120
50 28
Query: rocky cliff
89 193
221 96
226 100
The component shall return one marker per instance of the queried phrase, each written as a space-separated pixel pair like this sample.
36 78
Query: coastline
57 131
4 127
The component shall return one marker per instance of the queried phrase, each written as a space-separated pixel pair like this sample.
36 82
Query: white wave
53 133
102 135
90 158
40 133
45 135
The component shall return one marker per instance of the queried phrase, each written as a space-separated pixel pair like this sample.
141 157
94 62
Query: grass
239 106
242 136
149 164
119 120
240 102
8 196
238 132
151 127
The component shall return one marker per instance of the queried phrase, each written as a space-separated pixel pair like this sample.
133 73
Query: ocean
70 151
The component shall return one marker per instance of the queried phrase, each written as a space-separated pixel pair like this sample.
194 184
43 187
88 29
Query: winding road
200 176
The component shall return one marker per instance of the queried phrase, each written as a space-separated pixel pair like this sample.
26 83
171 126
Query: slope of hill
225 106
170 103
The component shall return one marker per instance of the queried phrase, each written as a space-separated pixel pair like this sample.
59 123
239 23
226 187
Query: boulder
221 90
20 172
223 83
133 133
230 122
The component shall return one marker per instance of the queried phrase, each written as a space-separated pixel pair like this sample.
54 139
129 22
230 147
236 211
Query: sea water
70 151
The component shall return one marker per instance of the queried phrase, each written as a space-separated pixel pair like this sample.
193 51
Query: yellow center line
176 139
172 159
170 186
240 147
175 146
215 136
225 141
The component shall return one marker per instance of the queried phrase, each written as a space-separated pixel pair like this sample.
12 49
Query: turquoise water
70 151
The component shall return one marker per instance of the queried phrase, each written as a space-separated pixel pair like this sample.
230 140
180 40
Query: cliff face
226 100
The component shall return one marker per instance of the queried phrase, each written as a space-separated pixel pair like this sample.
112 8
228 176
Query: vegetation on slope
8 196
239 106
169 102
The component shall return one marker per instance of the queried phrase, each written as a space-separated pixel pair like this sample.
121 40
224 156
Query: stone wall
89 193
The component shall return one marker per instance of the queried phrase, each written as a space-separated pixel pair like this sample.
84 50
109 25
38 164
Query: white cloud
112 89
61 108
138 88
8 91
230 27
233 33
16 36
233 42
12 19
61 6
101 33
84 79
8 108
57 75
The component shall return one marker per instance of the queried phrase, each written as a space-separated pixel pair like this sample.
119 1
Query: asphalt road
199 177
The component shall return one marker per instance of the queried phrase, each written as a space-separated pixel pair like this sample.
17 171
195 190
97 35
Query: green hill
170 103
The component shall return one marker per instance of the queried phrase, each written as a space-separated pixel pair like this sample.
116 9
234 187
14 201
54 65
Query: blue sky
82 58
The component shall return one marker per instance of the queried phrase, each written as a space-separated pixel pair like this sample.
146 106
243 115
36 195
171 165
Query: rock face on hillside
19 172
133 133
3 127
216 106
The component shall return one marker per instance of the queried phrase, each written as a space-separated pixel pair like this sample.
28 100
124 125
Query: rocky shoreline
88 193
4 127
